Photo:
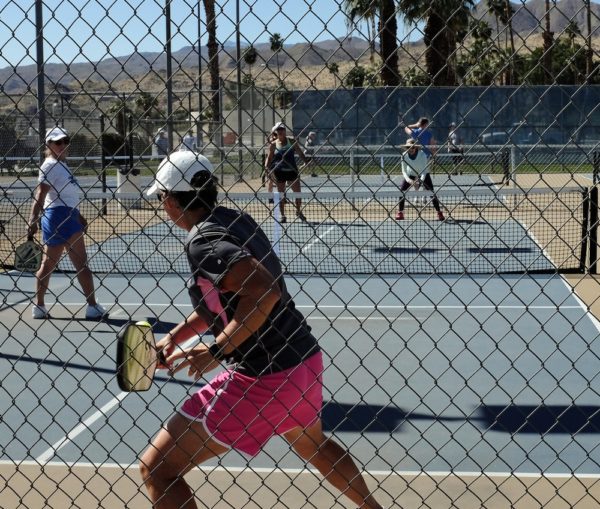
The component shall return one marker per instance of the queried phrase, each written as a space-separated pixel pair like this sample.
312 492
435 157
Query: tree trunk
389 46
511 62
589 52
548 37
213 62
436 54
372 36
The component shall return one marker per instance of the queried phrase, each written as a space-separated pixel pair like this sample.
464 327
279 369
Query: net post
593 230
596 167
353 169
103 166
276 221
505 161
129 145
354 172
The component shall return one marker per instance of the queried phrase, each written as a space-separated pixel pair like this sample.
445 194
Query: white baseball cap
177 170
56 133
277 126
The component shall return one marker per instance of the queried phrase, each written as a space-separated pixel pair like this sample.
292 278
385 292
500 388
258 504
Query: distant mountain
528 19
113 70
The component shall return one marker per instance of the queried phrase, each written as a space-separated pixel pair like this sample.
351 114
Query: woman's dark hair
204 195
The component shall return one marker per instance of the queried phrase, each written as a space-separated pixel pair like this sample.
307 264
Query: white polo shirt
64 189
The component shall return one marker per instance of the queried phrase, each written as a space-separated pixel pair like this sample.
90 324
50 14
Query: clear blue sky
80 30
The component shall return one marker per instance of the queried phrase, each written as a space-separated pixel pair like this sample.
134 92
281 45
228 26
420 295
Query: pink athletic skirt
243 412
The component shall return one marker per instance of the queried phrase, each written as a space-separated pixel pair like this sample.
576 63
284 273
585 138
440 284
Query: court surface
415 380
424 373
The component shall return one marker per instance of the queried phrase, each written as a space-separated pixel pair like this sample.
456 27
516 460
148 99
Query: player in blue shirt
424 137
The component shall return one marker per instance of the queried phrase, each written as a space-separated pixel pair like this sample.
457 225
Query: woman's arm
257 292
37 207
270 156
193 325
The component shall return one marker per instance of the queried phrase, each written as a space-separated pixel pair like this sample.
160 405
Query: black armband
216 351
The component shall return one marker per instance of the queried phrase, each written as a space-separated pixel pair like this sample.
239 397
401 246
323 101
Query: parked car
517 133
588 139
520 134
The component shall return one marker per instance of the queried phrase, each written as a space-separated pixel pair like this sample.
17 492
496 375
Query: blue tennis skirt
59 224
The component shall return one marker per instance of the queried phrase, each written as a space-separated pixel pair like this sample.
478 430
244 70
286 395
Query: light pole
199 118
239 86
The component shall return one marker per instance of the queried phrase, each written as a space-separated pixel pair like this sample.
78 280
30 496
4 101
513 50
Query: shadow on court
541 419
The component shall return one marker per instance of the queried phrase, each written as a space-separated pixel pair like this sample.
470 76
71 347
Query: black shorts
285 175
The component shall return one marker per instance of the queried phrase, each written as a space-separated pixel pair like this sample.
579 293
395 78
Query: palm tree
548 37
507 20
334 69
503 12
146 105
572 31
388 36
250 56
213 60
495 8
363 10
276 46
445 21
388 32
589 51
481 64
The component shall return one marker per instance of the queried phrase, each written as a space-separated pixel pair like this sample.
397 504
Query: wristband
216 351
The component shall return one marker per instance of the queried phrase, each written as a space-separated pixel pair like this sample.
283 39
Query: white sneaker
39 312
96 312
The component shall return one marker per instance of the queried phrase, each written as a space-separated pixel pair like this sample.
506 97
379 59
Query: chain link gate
461 356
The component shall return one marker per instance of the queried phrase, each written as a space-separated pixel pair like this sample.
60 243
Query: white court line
86 425
570 288
582 304
266 470
318 239
80 428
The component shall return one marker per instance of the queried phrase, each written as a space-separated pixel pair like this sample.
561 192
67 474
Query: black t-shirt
213 246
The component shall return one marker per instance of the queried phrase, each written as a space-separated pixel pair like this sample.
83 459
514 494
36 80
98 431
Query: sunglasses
64 141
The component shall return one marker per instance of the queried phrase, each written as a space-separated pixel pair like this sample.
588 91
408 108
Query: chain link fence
457 322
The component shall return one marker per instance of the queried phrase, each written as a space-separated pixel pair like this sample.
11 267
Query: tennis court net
486 231
388 165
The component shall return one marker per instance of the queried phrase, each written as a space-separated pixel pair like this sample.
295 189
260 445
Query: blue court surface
438 360
455 373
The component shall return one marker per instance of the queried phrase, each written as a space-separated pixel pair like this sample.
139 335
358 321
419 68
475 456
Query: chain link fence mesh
461 355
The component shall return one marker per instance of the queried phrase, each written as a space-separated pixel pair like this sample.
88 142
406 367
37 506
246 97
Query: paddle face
28 257
136 357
